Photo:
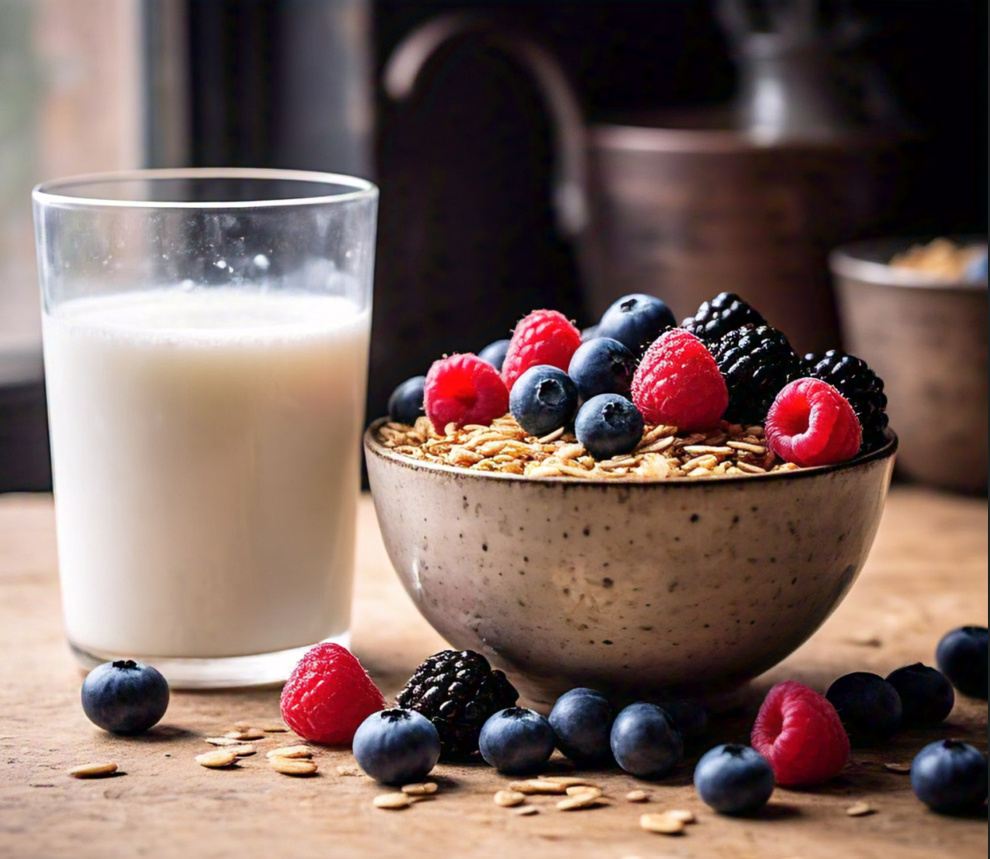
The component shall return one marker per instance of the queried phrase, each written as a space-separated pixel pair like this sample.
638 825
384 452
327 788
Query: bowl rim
375 447
853 261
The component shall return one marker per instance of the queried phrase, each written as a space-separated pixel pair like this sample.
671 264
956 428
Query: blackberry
457 692
756 364
863 388
724 313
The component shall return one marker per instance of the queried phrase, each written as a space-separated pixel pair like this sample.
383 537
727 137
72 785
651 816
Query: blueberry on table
950 777
734 779
926 695
405 404
602 366
125 697
543 399
494 353
608 425
636 321
582 723
869 707
962 657
644 742
396 746
516 741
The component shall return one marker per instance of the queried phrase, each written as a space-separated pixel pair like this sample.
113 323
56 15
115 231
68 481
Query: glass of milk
206 339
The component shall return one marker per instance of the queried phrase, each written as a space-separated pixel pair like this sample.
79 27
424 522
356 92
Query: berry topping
926 695
852 378
800 734
962 657
328 695
494 353
125 697
582 722
950 777
397 746
602 366
543 399
608 425
636 321
457 692
406 402
542 337
869 707
734 779
811 423
644 742
516 741
756 364
463 389
678 383
724 313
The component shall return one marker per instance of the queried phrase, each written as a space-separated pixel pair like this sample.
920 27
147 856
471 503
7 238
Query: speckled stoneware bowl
687 587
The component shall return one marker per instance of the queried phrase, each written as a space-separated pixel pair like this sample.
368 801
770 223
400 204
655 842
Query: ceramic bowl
928 342
687 587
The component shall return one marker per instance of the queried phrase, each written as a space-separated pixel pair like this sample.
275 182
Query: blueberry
926 695
636 321
734 779
868 705
602 366
962 657
494 353
950 777
124 697
516 741
608 425
406 402
644 742
396 746
543 399
977 269
689 719
582 722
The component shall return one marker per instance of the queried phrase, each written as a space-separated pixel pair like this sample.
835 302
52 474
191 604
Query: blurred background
538 154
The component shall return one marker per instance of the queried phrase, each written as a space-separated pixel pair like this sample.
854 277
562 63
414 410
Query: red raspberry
543 337
678 383
811 423
463 389
800 733
328 695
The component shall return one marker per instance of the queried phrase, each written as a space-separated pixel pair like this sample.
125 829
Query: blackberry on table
756 364
457 692
724 313
852 377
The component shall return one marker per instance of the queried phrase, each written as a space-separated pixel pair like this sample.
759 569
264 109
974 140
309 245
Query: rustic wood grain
927 573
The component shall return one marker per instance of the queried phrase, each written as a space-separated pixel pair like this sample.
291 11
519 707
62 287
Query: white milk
206 456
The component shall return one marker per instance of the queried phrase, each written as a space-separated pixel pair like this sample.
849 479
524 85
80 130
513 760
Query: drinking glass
206 337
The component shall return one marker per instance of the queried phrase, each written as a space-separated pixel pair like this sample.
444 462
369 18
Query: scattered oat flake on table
525 811
534 785
682 815
663 824
424 789
249 734
902 769
391 801
93 770
293 766
860 809
348 771
242 751
216 760
509 798
637 796
568 781
584 790
221 741
290 752
275 729
580 801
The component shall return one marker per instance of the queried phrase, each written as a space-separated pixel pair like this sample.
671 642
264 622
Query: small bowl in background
927 339
670 588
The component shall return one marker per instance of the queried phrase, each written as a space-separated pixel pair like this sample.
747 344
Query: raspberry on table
724 313
679 383
542 337
756 364
463 389
800 734
328 695
811 423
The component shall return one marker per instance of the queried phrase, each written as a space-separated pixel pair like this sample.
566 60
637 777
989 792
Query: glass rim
48 193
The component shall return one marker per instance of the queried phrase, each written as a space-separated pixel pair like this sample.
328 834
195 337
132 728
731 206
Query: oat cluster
664 453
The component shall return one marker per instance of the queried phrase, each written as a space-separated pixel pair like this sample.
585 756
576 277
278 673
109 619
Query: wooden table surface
927 574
